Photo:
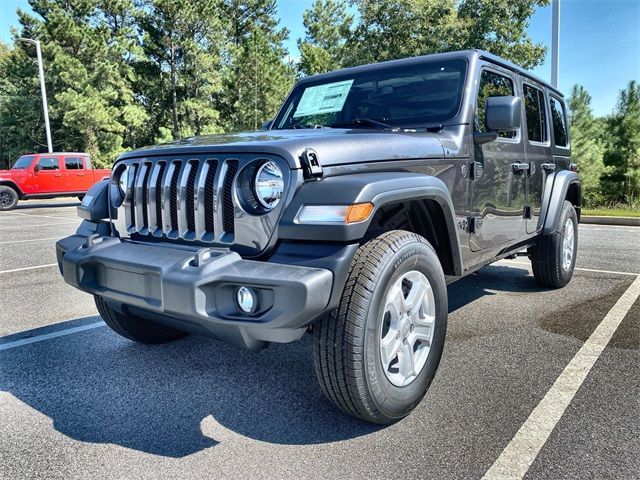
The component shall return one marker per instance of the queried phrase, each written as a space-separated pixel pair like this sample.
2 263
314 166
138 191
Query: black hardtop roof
467 54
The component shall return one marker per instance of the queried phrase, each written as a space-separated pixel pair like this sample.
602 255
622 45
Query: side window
87 163
48 163
73 163
536 114
558 121
492 84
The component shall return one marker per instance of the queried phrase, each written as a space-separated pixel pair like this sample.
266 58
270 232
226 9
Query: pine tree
257 75
622 155
587 144
327 26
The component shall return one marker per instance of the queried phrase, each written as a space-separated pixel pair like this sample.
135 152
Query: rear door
537 150
48 175
498 191
77 177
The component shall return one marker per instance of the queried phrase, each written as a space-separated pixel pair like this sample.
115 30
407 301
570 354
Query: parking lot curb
624 221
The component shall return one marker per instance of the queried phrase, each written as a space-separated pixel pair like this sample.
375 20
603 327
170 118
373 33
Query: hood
10 173
333 146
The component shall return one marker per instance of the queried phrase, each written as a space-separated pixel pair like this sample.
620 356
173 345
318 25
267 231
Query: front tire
376 355
8 198
136 328
553 257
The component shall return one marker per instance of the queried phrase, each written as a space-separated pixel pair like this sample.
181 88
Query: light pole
555 42
43 89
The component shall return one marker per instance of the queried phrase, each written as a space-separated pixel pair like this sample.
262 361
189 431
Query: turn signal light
333 214
358 212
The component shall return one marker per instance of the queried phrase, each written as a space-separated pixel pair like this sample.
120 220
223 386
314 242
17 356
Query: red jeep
48 175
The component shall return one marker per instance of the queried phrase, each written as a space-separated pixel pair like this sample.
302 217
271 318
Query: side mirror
37 168
504 113
266 125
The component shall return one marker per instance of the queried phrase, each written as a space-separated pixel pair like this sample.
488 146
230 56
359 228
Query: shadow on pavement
489 280
98 387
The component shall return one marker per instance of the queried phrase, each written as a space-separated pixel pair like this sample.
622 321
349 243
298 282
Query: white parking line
47 336
29 268
39 216
61 224
596 270
30 240
516 459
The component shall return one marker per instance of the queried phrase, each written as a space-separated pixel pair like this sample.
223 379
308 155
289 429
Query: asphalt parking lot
78 401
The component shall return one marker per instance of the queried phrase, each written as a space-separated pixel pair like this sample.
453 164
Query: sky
599 42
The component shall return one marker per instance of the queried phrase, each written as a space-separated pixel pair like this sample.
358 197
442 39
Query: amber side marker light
358 212
333 214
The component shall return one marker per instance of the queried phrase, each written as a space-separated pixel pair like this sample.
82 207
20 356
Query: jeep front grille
177 199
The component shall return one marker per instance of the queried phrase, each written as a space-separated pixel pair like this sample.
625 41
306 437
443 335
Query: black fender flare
379 188
555 193
95 204
10 183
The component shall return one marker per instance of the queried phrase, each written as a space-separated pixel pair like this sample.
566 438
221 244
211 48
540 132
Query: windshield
23 162
404 96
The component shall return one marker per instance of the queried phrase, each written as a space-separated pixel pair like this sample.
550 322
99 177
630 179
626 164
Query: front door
47 175
498 190
537 150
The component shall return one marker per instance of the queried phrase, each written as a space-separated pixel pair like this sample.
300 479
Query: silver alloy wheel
568 244
407 327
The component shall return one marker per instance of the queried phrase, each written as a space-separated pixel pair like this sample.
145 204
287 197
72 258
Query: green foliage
622 153
390 29
587 144
327 25
122 74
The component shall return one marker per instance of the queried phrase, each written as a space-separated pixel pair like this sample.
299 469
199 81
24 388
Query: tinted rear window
558 122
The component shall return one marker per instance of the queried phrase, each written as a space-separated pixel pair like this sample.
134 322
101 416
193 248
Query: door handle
549 167
57 174
519 168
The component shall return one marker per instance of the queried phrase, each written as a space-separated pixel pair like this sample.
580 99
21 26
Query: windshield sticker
327 98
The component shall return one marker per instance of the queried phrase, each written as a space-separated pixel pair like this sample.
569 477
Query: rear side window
73 163
558 122
48 163
536 114
492 84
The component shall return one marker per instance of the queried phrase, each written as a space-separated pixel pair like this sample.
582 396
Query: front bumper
195 290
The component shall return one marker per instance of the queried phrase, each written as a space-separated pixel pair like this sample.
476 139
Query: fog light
246 299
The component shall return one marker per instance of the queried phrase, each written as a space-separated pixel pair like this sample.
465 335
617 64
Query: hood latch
310 163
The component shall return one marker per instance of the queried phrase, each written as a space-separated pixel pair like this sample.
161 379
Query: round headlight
268 185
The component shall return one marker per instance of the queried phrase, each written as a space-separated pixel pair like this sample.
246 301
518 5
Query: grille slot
227 208
190 196
173 196
145 195
158 194
209 189
132 194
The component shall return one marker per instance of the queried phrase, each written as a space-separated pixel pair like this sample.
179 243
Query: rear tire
135 328
553 257
373 360
8 198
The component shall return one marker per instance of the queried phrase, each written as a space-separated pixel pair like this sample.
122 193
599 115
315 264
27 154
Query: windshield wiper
301 124
363 122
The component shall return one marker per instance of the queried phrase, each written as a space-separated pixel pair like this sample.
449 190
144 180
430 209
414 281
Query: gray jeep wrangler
346 217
